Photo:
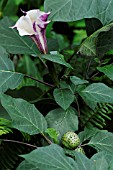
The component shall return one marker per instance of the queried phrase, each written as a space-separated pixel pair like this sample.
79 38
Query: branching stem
33 78
14 141
48 141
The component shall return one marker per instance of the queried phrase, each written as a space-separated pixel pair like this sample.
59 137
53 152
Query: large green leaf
63 121
102 141
8 78
104 42
63 97
73 10
5 62
100 164
51 157
97 92
3 113
88 47
88 133
56 58
82 161
108 157
12 42
111 166
24 115
107 70
25 165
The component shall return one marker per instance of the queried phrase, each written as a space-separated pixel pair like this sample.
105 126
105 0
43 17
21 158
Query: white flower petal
34 14
24 26
34 23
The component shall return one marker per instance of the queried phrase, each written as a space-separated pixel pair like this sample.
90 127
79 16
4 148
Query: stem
48 141
88 67
94 75
53 73
84 144
33 78
14 141
78 108
68 61
70 58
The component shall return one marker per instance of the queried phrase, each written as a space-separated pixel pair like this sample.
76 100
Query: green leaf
8 78
82 161
56 58
24 115
4 130
50 158
3 113
88 133
63 97
5 126
27 66
102 141
100 155
63 121
92 25
104 42
97 92
53 134
107 70
88 47
73 10
28 93
25 165
111 166
100 164
5 62
12 42
52 44
77 81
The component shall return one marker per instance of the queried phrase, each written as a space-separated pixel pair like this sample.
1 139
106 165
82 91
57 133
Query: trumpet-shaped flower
33 24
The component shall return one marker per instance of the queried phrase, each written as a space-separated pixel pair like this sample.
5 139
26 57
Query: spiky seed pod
70 140
80 149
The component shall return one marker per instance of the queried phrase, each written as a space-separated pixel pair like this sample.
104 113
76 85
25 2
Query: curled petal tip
13 27
49 13
23 12
44 16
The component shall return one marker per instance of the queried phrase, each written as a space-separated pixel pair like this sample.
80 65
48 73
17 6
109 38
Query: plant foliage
64 88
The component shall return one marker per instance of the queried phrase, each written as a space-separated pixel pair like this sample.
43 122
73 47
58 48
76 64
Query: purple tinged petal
40 41
40 37
34 26
44 16
43 25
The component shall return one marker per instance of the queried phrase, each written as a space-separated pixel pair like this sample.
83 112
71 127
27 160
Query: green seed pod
80 149
70 140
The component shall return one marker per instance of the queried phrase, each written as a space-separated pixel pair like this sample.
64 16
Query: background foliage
43 96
